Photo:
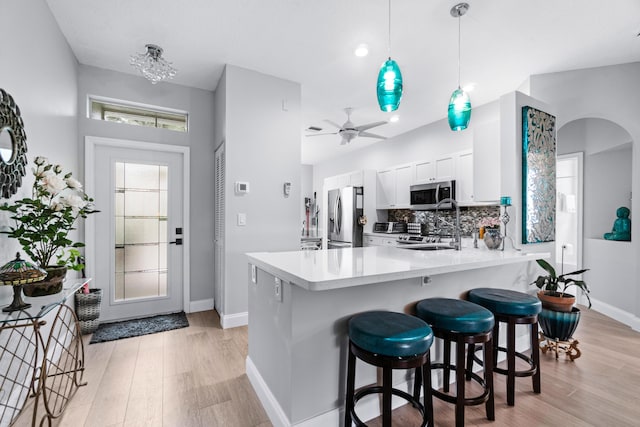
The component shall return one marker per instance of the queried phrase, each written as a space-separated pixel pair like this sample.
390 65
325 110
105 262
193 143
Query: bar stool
460 322
391 341
513 308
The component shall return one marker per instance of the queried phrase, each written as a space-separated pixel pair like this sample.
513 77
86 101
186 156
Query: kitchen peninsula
300 302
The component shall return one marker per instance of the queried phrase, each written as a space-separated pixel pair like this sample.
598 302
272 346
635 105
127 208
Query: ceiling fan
349 131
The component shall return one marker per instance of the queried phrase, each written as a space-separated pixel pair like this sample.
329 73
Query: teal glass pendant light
389 87
460 104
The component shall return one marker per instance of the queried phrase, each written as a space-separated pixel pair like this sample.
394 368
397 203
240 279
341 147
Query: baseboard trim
615 313
201 305
269 403
234 320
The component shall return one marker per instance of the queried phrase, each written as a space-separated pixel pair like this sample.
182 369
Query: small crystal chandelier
152 65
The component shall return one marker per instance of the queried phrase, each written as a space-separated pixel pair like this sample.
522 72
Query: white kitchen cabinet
393 187
464 176
343 180
331 183
445 168
441 168
370 240
425 171
486 162
356 179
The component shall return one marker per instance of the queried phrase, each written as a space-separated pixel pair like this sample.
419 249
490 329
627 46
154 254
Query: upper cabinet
486 162
465 188
393 187
441 168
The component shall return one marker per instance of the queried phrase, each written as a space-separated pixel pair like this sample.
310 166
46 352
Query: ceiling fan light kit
459 113
389 87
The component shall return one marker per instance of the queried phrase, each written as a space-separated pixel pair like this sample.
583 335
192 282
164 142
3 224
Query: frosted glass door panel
140 202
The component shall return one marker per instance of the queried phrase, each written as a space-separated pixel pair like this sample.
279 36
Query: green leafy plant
43 221
557 285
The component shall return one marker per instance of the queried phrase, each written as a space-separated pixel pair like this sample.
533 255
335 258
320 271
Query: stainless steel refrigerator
345 209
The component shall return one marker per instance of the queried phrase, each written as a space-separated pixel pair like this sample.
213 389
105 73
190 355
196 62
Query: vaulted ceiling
312 42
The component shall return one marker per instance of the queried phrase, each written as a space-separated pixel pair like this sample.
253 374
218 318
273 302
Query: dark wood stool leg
460 376
428 398
386 397
511 361
417 383
488 379
535 356
447 365
496 341
351 378
470 354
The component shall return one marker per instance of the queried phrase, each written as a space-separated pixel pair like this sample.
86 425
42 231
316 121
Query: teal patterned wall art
538 176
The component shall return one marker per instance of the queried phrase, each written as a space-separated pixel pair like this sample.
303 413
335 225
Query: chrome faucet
457 244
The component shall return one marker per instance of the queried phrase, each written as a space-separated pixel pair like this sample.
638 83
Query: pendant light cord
389 44
458 51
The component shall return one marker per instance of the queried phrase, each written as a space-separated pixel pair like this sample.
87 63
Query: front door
138 236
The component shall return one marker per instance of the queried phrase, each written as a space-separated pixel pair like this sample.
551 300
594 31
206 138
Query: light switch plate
254 274
242 219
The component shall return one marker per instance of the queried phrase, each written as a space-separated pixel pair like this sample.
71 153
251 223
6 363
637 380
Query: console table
40 360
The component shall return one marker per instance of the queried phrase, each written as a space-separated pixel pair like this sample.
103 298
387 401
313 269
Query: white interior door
138 252
219 230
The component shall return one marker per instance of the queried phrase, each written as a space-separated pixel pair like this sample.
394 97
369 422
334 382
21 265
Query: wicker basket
88 310
88 326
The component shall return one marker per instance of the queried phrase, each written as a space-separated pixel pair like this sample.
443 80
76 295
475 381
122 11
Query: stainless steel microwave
427 196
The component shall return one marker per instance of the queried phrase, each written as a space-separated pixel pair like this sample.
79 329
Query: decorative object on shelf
492 238
460 104
538 176
88 309
621 226
152 65
553 288
505 202
389 86
489 231
18 273
13 146
43 221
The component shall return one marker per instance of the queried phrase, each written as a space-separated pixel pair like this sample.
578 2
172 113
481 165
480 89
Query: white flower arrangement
44 220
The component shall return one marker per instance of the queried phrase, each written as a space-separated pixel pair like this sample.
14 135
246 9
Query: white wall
611 93
200 106
39 71
262 147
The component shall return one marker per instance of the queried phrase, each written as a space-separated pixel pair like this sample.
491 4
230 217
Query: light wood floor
195 377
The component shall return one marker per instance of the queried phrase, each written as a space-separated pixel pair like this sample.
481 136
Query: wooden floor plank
195 376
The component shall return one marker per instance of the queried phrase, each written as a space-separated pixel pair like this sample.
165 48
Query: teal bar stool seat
513 308
465 324
391 341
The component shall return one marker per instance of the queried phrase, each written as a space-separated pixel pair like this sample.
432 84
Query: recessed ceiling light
362 50
394 118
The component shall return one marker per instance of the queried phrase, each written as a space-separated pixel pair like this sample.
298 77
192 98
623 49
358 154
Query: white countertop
341 268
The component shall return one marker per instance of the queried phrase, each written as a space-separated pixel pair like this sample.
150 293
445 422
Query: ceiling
312 42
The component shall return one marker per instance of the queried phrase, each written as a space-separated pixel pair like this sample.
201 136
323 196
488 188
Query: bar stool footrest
378 390
469 401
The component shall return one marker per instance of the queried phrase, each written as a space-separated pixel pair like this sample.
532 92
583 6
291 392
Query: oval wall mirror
13 146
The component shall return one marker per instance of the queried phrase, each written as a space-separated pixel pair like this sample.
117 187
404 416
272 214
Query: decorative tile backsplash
469 218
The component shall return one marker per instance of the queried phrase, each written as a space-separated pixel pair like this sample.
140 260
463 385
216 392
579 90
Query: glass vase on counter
492 237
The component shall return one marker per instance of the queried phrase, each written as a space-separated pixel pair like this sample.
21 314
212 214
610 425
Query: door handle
177 242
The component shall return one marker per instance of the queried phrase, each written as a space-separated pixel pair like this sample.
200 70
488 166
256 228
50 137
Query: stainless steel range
425 243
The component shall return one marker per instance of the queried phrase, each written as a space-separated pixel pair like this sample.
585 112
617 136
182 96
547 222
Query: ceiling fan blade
321 134
334 124
370 125
371 135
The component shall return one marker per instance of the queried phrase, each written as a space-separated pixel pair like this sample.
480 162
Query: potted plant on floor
559 318
44 220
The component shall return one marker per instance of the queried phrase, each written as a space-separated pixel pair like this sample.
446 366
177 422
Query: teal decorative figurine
621 226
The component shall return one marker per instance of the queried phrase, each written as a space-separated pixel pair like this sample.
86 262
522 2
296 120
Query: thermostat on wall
242 187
